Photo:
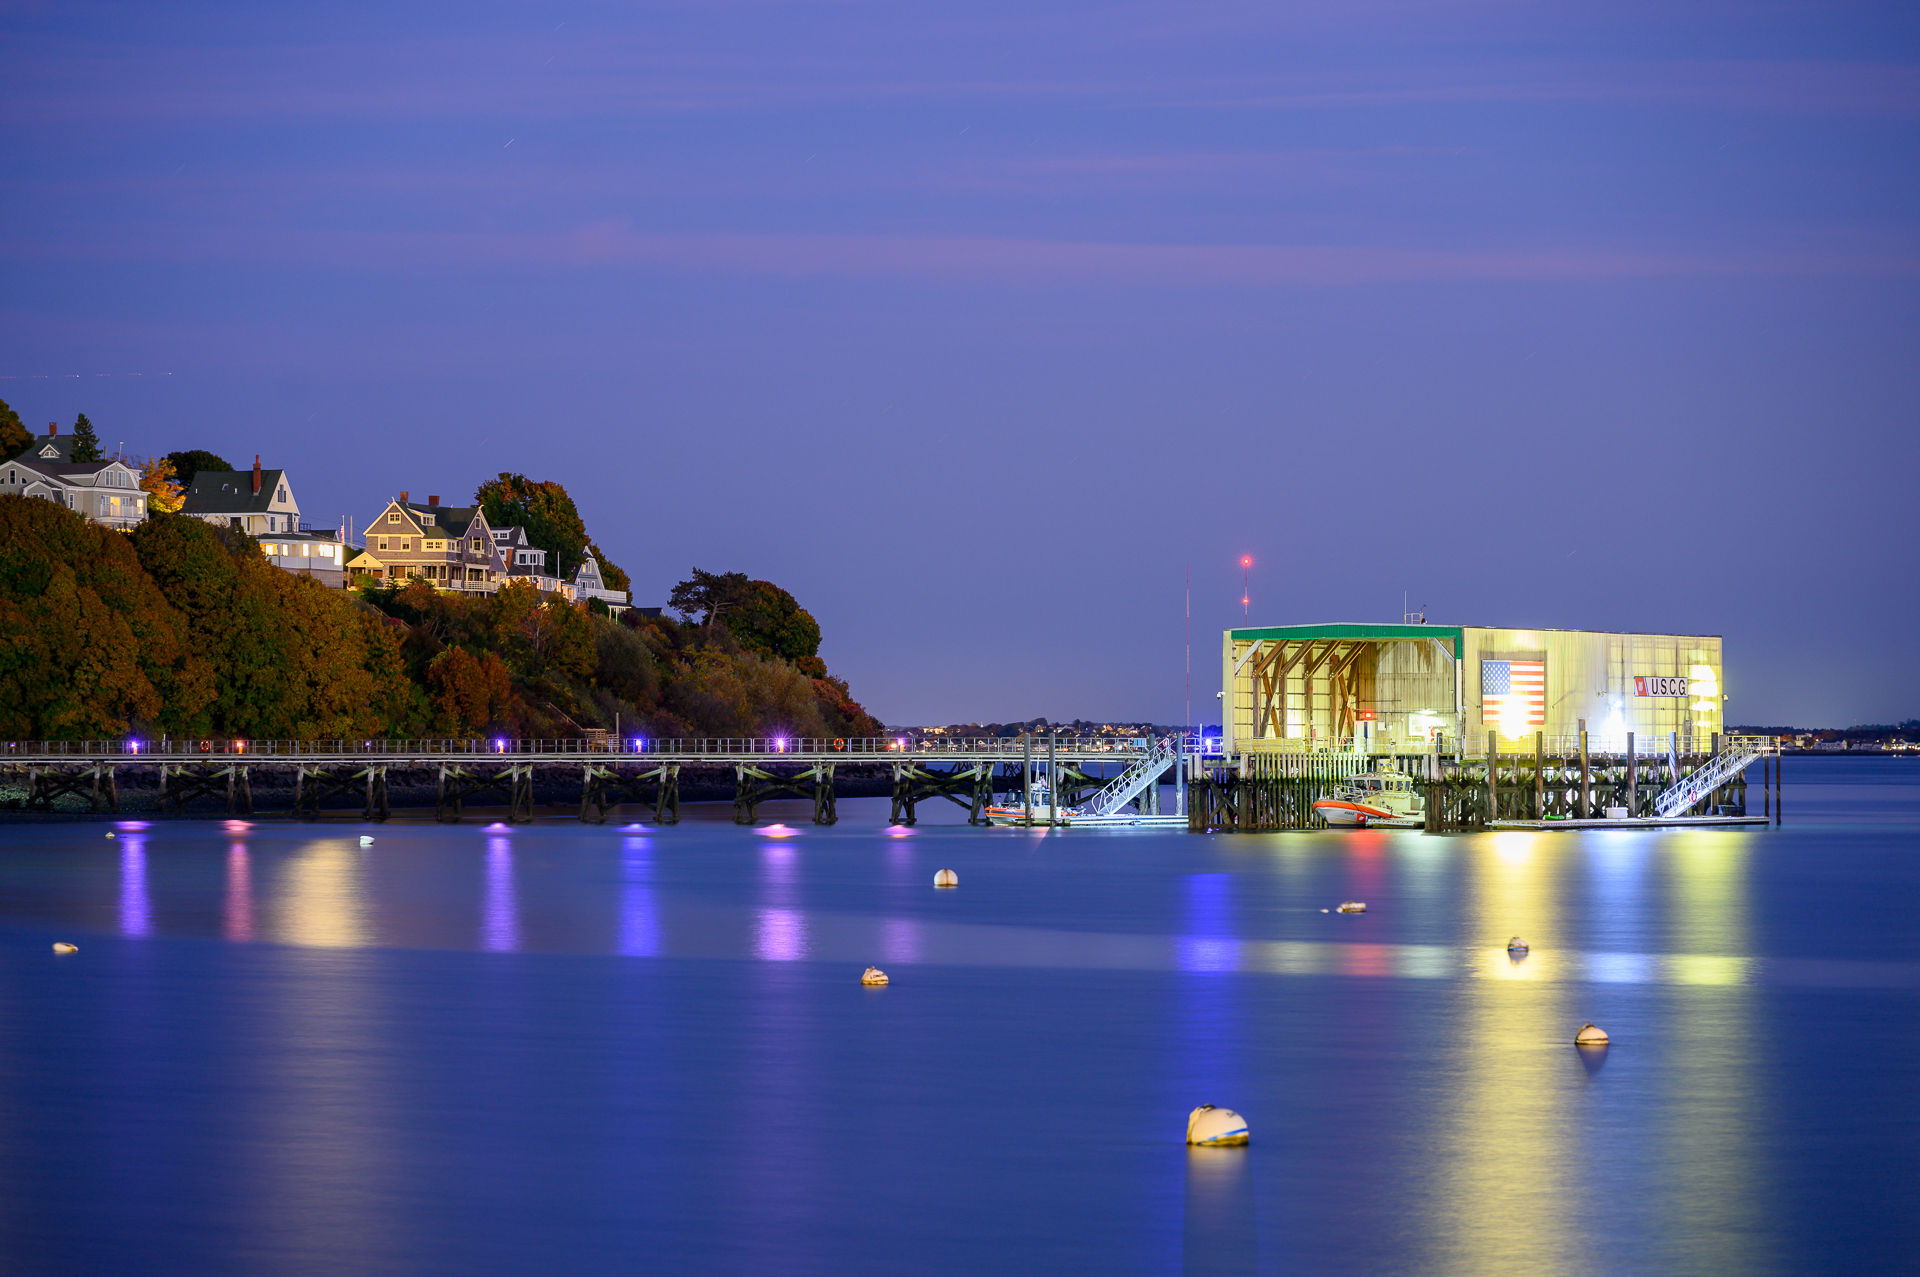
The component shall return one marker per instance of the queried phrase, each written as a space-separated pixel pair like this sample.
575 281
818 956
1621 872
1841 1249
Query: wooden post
1539 775
1779 764
1053 776
1633 778
1493 775
1586 775
1766 786
1026 773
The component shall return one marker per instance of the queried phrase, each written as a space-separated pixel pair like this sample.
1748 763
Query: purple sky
974 324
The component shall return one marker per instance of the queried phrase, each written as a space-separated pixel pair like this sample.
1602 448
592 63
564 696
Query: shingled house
104 491
450 546
259 503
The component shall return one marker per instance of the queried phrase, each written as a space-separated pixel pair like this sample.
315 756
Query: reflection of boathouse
1388 689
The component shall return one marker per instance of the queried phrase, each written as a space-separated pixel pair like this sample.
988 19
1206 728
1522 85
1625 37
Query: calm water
561 1049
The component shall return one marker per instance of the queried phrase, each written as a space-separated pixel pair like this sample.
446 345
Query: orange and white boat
1384 799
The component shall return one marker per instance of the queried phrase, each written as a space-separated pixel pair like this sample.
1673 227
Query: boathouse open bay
474 1049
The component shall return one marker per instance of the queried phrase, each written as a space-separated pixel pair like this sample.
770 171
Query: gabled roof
450 520
230 492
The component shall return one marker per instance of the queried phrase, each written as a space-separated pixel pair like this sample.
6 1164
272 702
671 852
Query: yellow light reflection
1505 1183
320 899
1709 1090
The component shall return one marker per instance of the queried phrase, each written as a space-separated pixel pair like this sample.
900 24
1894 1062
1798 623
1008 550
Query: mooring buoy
109 833
61 946
946 878
365 841
873 975
1516 945
1353 906
1590 1034
1211 1127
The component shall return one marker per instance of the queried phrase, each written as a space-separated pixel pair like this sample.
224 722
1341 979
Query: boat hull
1337 811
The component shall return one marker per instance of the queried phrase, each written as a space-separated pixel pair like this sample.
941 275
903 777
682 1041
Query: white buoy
1326 911
61 946
873 975
109 833
1590 1035
946 878
365 841
1516 945
1212 1127
1353 906
1616 813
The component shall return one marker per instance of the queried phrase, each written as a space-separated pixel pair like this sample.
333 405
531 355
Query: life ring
839 743
206 747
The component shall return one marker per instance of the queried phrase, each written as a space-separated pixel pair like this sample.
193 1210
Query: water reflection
1504 1183
639 914
136 917
1710 1104
780 933
501 931
238 917
1219 1237
320 898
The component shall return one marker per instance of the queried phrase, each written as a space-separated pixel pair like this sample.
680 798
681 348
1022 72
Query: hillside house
259 502
450 546
106 492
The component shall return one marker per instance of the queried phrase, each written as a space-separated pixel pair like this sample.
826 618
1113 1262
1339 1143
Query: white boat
1011 809
1388 799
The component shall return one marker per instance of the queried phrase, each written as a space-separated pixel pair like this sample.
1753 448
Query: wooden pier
1559 783
503 772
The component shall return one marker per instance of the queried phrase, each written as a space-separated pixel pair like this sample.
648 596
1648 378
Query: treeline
182 629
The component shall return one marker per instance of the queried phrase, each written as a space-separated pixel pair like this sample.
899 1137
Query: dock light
499 746
780 744
133 746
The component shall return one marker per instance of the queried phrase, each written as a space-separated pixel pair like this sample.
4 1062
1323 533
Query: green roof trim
1365 633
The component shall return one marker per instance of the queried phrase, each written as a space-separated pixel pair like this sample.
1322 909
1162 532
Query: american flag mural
1513 693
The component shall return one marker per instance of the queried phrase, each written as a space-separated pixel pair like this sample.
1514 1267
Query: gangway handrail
1127 786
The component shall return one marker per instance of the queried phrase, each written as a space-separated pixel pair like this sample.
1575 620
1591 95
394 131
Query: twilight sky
975 324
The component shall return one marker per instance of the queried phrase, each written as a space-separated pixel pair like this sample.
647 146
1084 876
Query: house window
407 546
476 545
383 543
283 494
393 516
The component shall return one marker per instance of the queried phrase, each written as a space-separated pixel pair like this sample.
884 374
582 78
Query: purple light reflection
782 936
639 918
900 940
135 913
502 934
239 912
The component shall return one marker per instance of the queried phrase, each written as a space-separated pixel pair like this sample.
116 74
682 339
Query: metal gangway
1738 753
1107 802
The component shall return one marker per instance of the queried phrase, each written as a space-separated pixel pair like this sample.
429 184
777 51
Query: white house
104 491
260 502
588 584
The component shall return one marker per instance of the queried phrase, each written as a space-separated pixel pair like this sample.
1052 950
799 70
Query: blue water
586 1050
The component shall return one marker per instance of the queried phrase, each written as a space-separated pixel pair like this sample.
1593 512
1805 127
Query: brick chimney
53 428
403 498
433 500
256 474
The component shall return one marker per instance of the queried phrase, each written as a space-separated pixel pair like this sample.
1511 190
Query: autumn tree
547 635
290 657
192 461
15 438
163 494
469 695
89 647
86 444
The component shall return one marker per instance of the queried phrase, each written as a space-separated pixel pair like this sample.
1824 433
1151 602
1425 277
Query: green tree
552 522
191 462
15 438
89 647
771 622
710 596
86 444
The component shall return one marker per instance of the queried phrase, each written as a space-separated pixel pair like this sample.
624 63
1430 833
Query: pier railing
717 747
